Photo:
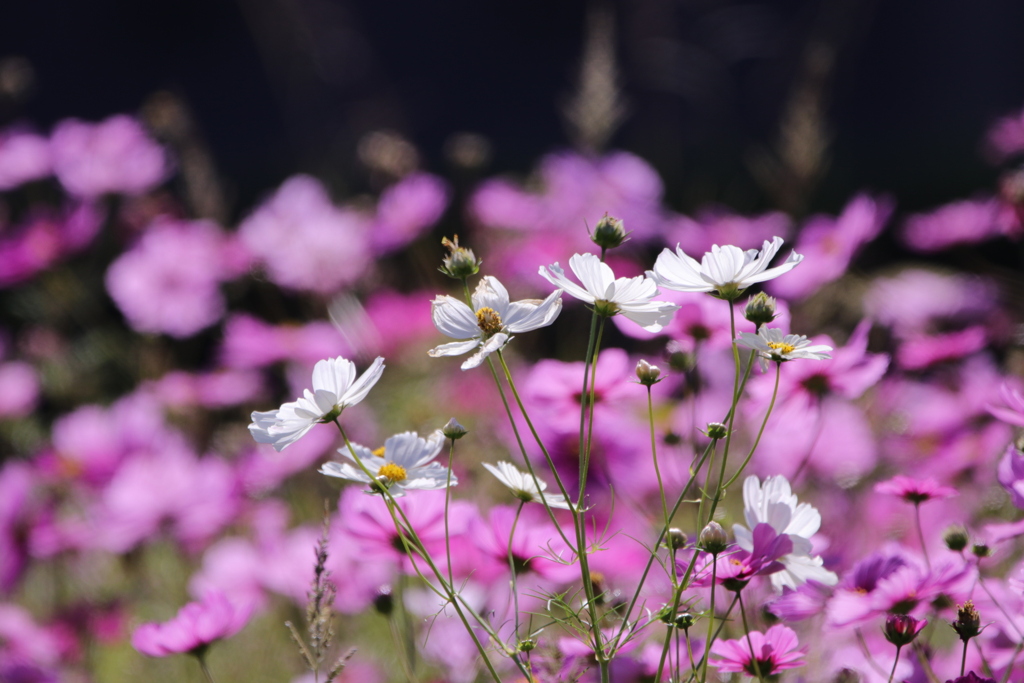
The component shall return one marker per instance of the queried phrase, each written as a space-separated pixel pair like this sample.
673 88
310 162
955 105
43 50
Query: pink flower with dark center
915 491
775 649
193 628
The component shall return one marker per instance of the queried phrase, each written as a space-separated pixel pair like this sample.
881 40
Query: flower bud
648 374
981 550
460 263
955 538
760 309
526 645
609 233
453 430
684 620
902 629
383 602
712 538
716 431
676 539
968 621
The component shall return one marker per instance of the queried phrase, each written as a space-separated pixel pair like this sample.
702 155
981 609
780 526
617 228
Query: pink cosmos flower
775 649
193 628
1006 136
113 156
170 280
1011 410
550 223
915 491
1011 474
19 389
24 157
305 241
44 237
964 222
717 225
252 343
406 209
830 244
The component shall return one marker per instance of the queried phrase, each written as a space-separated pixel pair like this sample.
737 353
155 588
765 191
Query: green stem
512 567
760 432
750 643
201 657
711 619
895 662
920 535
654 454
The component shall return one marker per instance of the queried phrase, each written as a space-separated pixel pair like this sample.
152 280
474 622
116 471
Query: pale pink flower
114 156
775 651
24 157
193 628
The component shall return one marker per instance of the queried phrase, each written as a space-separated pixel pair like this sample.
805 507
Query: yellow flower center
394 473
782 347
488 320
379 452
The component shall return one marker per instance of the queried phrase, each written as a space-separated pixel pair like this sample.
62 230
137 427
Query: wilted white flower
491 322
405 463
522 486
773 503
725 271
771 344
630 296
335 387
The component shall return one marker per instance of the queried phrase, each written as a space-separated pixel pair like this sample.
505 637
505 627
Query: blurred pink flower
305 241
1006 137
716 225
1011 409
963 222
19 389
193 628
169 281
548 221
406 209
44 237
1011 474
775 651
220 389
914 491
24 157
830 244
252 343
114 156
17 482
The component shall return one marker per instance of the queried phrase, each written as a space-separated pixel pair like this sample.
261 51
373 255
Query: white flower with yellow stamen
405 463
725 271
335 387
771 344
492 321
522 486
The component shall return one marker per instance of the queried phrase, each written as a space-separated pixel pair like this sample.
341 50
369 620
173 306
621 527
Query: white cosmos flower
774 503
726 271
630 296
771 344
492 321
405 463
335 387
522 486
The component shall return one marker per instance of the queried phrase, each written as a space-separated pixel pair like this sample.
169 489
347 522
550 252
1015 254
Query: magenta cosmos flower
193 628
776 651
915 491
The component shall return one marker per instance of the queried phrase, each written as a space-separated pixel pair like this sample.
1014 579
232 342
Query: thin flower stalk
512 568
746 632
654 454
411 542
760 431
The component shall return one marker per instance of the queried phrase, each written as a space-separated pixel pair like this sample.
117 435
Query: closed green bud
716 431
609 233
981 550
453 430
713 538
647 374
760 309
676 539
955 538
460 263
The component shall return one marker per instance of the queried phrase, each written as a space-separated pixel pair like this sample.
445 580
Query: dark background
281 86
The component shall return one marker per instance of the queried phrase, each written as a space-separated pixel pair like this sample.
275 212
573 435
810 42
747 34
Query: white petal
334 375
525 316
453 318
454 348
358 391
652 316
486 349
594 275
556 276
